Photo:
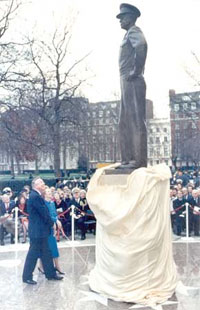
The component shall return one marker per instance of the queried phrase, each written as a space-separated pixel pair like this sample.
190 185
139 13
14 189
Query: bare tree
7 12
46 84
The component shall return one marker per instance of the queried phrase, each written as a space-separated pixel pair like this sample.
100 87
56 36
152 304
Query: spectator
23 215
179 207
6 208
80 214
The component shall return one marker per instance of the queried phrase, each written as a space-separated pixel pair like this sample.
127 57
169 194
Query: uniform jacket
133 52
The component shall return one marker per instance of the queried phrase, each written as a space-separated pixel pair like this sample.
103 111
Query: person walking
40 224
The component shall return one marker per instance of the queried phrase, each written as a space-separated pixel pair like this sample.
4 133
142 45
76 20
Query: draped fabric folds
134 261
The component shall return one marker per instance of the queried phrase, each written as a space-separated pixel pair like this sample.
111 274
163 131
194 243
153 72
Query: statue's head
128 15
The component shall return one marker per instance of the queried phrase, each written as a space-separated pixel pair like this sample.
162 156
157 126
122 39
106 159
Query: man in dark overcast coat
40 225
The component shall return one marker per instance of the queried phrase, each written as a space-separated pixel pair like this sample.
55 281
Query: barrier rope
194 212
66 211
178 209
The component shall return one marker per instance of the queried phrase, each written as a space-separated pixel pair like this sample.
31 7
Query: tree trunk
64 159
56 154
18 165
12 164
36 166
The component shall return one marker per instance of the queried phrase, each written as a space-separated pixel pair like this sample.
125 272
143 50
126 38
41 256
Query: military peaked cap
128 8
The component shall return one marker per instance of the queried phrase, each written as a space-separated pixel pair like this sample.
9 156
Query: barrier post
16 226
187 219
187 238
72 226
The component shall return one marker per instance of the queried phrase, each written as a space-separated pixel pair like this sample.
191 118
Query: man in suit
40 225
79 212
195 203
179 208
187 195
6 207
132 127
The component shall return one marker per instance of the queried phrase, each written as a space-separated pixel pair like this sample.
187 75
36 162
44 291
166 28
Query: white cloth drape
134 261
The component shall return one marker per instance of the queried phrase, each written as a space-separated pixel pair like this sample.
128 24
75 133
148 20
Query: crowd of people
62 196
185 194
184 190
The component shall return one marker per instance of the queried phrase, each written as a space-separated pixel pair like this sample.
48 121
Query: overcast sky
171 27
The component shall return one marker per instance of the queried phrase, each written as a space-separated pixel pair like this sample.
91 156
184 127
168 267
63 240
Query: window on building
157 140
185 106
111 131
107 130
151 130
91 154
177 126
166 151
193 105
165 139
150 152
185 98
194 126
165 129
93 114
113 105
100 130
157 162
157 129
176 107
101 156
158 152
151 140
100 113
108 113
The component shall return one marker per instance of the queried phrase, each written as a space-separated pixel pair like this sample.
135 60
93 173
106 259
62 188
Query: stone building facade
159 141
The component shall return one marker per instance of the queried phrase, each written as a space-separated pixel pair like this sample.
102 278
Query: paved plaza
74 293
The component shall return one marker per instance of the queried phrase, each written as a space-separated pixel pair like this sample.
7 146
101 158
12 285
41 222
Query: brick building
185 128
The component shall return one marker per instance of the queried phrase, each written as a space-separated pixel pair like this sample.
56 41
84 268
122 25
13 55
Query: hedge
25 171
17 185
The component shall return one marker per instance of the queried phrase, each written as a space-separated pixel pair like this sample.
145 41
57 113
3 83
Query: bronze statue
132 121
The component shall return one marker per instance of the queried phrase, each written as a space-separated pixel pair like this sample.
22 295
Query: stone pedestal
114 176
113 179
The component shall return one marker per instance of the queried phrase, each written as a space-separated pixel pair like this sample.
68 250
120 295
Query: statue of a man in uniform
132 121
